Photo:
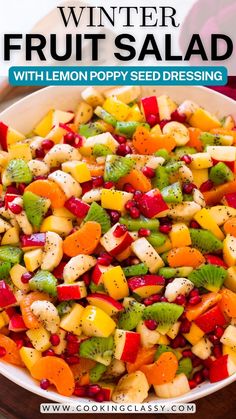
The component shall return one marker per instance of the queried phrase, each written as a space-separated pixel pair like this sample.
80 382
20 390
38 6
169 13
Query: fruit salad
118 247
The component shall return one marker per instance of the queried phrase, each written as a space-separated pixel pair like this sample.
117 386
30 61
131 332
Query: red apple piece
77 207
74 291
126 345
7 297
221 368
105 302
146 285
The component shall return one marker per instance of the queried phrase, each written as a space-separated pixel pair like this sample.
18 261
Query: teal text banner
102 75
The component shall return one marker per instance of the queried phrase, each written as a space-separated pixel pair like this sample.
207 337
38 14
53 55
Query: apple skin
33 240
16 323
9 198
219 369
105 302
97 273
3 136
152 204
74 291
150 106
126 345
125 241
210 319
230 199
77 207
7 297
146 285
116 245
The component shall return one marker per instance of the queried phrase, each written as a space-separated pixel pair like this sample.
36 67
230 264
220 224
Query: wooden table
17 403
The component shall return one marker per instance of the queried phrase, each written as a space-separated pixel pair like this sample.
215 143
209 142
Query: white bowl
24 114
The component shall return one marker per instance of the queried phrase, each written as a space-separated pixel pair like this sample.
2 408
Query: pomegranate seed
149 172
12 190
137 195
148 301
120 139
180 300
185 326
93 389
105 259
164 122
196 362
69 138
120 230
54 339
72 348
86 186
47 145
72 360
21 187
130 204
205 373
178 342
198 378
195 300
26 277
19 343
213 339
123 150
2 351
144 232
98 181
2 204
152 120
192 384
134 212
177 116
39 153
163 299
219 331
151 324
100 397
165 228
79 391
49 352
70 337
108 185
114 216
208 362
44 384
193 292
15 208
217 352
78 141
188 187
41 177
206 186
128 188
156 298
186 158
187 353
194 224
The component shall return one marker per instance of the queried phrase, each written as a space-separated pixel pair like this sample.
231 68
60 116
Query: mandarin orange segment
186 256
48 189
162 371
29 318
57 371
137 179
230 226
12 353
208 301
145 356
194 139
81 370
84 241
228 302
215 195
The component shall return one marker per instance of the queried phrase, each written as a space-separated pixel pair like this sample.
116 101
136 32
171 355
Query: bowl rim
200 391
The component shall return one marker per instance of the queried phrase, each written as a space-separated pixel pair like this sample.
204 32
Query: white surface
24 114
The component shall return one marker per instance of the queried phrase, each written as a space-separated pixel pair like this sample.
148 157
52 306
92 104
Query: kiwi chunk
185 366
205 241
165 314
182 151
221 173
164 348
142 222
117 167
18 171
157 239
162 153
210 277
131 316
89 130
5 268
161 180
44 281
96 288
181 272
173 166
99 214
96 373
10 254
35 208
65 307
172 193
134 270
101 150
98 349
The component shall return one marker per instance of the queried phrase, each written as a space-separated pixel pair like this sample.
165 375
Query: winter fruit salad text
118 247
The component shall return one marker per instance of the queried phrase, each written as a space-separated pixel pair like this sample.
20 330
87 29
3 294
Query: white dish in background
24 114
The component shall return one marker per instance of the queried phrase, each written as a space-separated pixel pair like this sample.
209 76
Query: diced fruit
95 322
16 323
126 94
43 281
208 276
220 173
115 283
230 200
165 314
116 108
71 322
161 371
116 167
48 189
11 237
206 220
77 242
20 151
66 183
77 207
16 273
148 337
132 315
222 213
221 368
7 297
47 314
152 203
210 319
146 285
29 356
147 254
104 139
175 388
230 281
79 170
194 335
59 225
179 286
33 241
166 107
229 337
105 302
204 120
229 351
12 353
115 200
74 291
178 131
229 250
77 266
202 348
201 161
208 300
116 245
126 345
132 388
180 235
40 338
205 241
29 318
99 349
191 257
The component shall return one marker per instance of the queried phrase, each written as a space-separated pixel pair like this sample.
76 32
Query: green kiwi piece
164 348
211 277
96 288
173 166
164 257
205 241
35 208
106 116
5 268
157 239
142 222
167 272
97 348
117 167
221 173
172 193
18 171
181 151
131 316
99 214
65 307
96 373
185 367
10 254
187 197
165 314
89 130
161 179
44 281
183 271
134 270
162 153
101 150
